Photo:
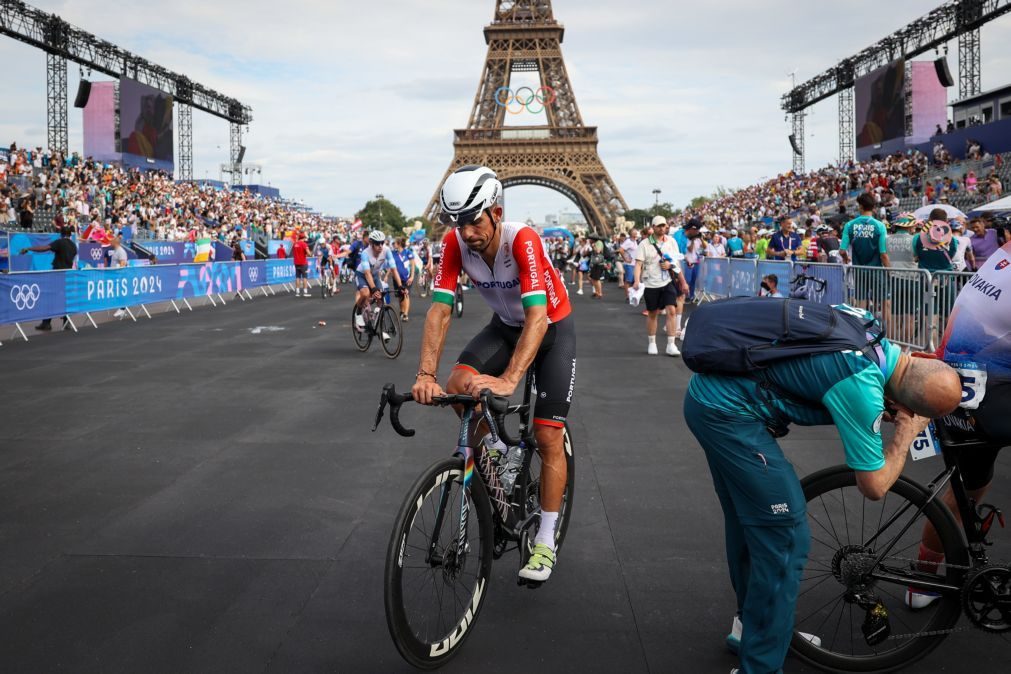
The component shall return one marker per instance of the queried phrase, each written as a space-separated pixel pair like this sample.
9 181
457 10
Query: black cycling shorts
554 366
301 271
990 423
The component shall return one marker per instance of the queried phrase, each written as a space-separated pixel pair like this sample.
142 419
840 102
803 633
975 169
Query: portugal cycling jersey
979 330
521 277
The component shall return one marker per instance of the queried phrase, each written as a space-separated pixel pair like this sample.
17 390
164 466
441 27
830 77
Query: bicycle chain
931 633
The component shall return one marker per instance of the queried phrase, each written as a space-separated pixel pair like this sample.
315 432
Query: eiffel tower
561 155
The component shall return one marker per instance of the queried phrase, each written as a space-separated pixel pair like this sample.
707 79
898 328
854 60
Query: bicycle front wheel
360 329
391 333
848 534
436 582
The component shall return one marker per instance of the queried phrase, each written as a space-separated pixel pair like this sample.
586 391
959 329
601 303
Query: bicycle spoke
830 601
838 623
846 519
835 535
826 577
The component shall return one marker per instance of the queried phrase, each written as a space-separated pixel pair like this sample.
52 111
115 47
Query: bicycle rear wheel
848 532
532 489
433 594
361 333
391 334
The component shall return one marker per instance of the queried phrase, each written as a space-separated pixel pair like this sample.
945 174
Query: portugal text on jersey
521 277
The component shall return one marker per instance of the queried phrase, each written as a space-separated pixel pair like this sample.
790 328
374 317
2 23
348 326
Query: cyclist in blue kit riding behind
736 412
531 327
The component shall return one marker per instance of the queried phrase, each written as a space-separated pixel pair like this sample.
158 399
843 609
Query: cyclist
531 327
425 258
734 418
403 256
375 266
324 261
977 342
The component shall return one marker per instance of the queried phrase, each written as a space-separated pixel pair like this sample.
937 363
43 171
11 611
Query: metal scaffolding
846 125
56 103
235 152
969 80
184 170
798 139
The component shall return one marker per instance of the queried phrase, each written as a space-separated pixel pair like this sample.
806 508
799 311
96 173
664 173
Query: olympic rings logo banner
525 98
31 296
25 296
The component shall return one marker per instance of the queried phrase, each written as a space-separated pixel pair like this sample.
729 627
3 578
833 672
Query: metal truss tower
56 103
969 80
846 124
798 139
235 153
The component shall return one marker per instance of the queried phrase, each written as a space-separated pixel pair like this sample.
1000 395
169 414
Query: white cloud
350 99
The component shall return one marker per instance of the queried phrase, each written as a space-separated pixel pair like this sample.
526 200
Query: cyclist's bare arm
535 326
874 484
434 339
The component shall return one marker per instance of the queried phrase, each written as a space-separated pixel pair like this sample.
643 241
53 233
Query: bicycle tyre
533 486
458 301
948 606
363 338
389 323
421 653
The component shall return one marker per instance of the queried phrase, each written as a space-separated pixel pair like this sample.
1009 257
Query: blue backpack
743 335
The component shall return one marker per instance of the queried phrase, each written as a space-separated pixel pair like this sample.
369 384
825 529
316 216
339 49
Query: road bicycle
377 320
425 286
864 559
326 280
457 517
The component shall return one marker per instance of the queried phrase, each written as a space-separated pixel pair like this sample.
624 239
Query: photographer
770 286
657 268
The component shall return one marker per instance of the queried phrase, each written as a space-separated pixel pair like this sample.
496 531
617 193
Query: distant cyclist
404 258
375 265
977 342
531 327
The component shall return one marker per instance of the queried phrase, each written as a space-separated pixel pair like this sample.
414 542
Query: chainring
986 598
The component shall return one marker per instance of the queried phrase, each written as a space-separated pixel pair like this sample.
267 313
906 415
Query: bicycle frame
975 528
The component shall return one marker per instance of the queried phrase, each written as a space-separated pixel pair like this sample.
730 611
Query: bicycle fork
466 452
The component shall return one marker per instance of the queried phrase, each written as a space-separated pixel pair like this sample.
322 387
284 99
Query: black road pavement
194 494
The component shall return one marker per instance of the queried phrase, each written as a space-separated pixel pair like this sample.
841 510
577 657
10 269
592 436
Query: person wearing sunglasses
531 327
376 264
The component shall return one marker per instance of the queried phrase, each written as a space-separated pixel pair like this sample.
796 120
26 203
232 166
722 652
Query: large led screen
881 104
145 121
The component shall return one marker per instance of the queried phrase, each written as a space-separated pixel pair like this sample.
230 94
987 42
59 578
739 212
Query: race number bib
925 445
973 377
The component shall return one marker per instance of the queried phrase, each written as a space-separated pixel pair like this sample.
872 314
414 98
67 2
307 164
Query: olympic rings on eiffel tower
523 98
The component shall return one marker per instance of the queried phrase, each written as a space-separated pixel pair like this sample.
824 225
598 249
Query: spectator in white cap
657 268
735 245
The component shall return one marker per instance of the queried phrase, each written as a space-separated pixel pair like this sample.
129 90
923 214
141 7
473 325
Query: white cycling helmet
377 237
467 193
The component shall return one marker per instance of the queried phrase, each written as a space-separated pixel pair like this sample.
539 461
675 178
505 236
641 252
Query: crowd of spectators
96 198
889 178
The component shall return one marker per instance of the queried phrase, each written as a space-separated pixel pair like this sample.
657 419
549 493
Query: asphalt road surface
202 493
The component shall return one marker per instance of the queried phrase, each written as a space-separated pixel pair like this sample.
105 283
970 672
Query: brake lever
486 396
383 400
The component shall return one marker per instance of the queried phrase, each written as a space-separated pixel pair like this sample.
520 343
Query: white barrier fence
912 304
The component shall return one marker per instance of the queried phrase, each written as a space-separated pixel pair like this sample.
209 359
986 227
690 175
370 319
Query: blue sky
352 99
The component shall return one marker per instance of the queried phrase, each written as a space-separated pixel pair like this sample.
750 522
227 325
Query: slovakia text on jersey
521 277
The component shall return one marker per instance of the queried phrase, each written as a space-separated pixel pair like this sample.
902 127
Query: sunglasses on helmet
461 219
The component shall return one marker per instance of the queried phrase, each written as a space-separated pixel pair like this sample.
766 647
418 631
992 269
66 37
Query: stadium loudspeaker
83 93
242 153
793 144
943 74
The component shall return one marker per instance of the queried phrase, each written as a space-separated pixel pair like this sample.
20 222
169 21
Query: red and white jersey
521 277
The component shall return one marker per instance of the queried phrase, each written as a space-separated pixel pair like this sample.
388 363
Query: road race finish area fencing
34 296
912 304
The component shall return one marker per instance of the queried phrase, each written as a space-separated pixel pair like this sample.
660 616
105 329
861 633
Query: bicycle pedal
530 584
